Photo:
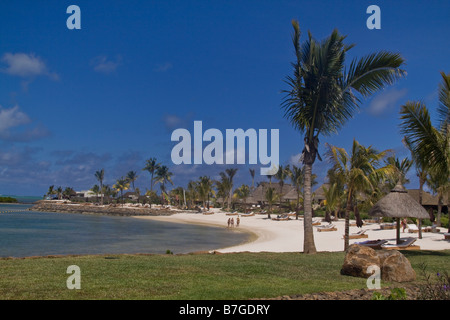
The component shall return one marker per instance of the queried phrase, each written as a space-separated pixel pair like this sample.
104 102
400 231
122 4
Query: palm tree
332 198
204 189
100 175
252 174
429 145
271 197
163 175
400 169
96 189
192 192
51 190
231 172
360 172
121 185
107 191
223 188
132 176
151 166
321 96
68 191
243 192
281 175
296 175
440 185
59 192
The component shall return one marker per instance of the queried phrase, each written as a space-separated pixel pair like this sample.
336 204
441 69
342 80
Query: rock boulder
393 264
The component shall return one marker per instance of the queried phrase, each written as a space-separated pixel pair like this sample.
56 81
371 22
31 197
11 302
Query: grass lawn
183 277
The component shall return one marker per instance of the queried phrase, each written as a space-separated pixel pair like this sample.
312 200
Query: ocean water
26 233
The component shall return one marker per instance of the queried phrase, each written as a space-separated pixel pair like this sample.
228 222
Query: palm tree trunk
308 242
347 220
101 192
297 208
421 183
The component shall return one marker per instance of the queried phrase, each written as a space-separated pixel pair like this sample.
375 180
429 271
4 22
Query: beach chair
374 244
447 236
412 228
407 244
316 222
387 226
358 235
330 227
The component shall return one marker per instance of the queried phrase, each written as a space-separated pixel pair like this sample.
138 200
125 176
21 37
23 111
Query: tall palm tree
322 96
429 145
204 188
252 174
100 175
163 175
296 175
121 185
223 188
132 176
361 173
151 166
231 172
281 175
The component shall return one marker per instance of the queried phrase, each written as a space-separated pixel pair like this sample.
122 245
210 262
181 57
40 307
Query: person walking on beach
237 221
232 222
229 222
404 224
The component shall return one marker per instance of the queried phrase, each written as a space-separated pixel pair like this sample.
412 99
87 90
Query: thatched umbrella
399 204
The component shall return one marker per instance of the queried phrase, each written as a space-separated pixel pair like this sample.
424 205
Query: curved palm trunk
308 242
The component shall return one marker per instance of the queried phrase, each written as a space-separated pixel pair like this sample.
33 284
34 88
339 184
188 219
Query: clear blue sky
109 95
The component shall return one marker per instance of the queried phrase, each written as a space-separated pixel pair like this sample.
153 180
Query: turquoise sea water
26 233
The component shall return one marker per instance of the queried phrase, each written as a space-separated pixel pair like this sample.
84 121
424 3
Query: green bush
396 294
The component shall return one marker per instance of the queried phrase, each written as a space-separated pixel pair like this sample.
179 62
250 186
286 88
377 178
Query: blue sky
110 95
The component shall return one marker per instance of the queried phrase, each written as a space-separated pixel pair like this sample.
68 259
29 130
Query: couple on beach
231 222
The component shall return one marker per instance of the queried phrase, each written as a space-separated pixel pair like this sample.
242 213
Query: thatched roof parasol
398 204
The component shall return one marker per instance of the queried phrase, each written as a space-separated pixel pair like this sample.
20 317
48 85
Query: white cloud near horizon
385 101
105 65
26 66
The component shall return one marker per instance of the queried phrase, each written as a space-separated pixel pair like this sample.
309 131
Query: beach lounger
374 244
283 217
387 226
447 236
407 244
316 222
412 228
330 227
248 214
358 235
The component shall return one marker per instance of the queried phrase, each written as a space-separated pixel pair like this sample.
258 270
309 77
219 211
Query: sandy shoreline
287 236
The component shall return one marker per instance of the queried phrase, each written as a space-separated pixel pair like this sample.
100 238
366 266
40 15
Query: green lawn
183 277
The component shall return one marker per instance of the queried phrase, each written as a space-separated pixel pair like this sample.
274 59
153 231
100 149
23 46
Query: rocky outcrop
87 208
358 259
393 265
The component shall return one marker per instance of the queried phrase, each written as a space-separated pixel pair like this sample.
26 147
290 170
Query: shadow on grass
425 253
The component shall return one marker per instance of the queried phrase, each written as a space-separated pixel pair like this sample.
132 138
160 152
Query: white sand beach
287 236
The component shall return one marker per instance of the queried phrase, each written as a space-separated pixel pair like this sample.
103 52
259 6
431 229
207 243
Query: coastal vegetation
8 200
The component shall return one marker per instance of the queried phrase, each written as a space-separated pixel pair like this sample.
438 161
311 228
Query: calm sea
26 233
